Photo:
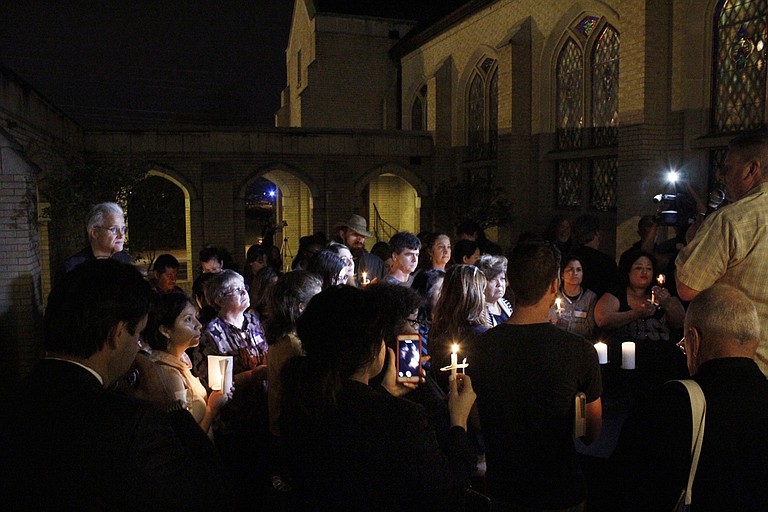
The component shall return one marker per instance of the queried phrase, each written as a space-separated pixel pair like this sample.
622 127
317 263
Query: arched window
419 110
483 110
740 55
587 114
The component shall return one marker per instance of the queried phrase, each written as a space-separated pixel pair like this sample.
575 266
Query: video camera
675 207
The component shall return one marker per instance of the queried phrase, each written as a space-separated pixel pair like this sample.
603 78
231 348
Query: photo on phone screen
408 358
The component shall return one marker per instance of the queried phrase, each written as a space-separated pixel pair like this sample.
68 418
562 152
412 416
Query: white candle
557 304
365 279
220 373
454 360
628 355
602 352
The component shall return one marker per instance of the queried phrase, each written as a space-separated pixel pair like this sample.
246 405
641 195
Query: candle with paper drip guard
628 355
602 352
558 305
366 281
220 373
455 362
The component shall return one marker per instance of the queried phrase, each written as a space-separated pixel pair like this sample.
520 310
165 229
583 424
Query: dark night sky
132 63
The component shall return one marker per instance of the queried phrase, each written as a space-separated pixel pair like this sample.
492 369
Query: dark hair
554 224
164 312
262 281
89 301
209 253
462 249
628 259
393 303
284 301
339 336
382 250
328 265
532 268
256 252
469 227
164 262
404 240
198 289
585 228
423 284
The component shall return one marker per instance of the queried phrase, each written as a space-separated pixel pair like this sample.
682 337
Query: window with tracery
483 110
740 55
419 110
587 114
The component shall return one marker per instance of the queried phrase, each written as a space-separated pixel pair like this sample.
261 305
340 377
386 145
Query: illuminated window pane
605 88
570 91
741 39
587 25
568 184
603 184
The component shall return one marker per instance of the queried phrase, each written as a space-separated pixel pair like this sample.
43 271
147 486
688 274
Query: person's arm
594 421
608 316
684 291
673 308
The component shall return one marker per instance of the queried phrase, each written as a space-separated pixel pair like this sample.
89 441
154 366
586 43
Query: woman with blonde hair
459 314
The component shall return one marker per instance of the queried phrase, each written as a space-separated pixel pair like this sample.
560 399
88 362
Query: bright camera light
271 193
673 176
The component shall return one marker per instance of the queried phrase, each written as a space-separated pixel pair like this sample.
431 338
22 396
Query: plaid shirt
731 247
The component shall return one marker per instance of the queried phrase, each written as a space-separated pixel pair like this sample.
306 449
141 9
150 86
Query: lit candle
220 373
628 355
454 360
557 304
602 352
366 281
661 279
463 365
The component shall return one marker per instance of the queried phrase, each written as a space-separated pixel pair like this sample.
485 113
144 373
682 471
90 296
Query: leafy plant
474 198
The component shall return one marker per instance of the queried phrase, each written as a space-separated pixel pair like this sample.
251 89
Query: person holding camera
352 446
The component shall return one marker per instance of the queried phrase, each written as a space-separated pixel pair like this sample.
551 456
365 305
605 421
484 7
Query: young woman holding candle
352 446
459 315
172 329
577 304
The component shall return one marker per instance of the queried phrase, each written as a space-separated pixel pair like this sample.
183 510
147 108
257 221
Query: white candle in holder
602 352
220 373
454 360
628 355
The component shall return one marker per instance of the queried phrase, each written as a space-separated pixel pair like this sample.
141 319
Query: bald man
652 459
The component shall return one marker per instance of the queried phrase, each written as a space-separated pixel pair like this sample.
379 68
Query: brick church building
569 107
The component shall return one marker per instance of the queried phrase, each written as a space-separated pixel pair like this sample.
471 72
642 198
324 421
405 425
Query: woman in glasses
241 432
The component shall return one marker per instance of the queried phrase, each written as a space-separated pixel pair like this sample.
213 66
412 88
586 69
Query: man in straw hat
353 233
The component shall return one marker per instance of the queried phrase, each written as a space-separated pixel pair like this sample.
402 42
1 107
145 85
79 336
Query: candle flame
455 349
661 279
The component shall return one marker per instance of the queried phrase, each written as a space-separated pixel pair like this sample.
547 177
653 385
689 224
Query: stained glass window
568 183
602 192
419 110
493 113
476 114
570 93
605 88
587 25
741 52
483 111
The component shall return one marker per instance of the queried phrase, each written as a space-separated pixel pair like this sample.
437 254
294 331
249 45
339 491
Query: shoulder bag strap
698 416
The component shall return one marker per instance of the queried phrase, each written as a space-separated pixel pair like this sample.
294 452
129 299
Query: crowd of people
289 383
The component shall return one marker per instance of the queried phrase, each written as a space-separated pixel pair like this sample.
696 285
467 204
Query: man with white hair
653 456
106 234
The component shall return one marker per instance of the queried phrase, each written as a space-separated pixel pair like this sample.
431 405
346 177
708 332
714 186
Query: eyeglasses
413 323
235 291
681 345
115 230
